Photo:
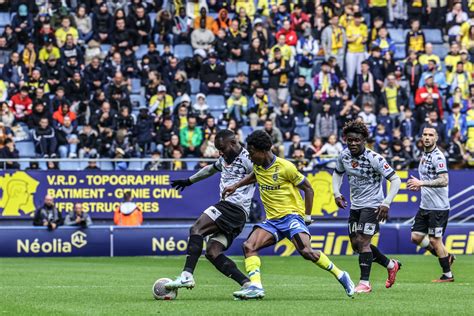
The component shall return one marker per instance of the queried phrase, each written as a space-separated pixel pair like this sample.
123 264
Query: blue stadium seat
243 66
160 47
105 48
440 50
231 69
4 19
286 145
246 131
303 130
216 113
183 50
136 165
191 164
195 85
397 35
106 165
69 165
136 86
142 50
216 102
433 36
136 98
152 16
26 149
399 51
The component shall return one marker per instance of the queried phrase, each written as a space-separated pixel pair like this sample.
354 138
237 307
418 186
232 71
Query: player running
432 217
224 221
365 170
279 184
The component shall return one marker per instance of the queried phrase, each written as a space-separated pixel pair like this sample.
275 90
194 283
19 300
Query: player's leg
438 221
215 254
420 231
362 243
262 236
203 226
302 242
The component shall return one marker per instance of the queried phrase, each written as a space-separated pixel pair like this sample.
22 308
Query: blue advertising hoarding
21 192
169 240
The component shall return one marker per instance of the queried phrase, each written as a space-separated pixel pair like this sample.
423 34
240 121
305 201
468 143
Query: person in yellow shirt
427 56
357 35
265 6
49 50
249 7
460 79
452 59
468 66
333 41
161 103
64 31
287 214
286 51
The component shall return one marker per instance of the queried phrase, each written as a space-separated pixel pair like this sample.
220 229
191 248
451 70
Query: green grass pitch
122 286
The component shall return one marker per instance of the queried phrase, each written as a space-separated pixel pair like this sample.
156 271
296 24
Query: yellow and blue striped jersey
278 188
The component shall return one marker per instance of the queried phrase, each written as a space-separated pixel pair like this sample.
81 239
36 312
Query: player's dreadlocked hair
356 127
260 140
225 134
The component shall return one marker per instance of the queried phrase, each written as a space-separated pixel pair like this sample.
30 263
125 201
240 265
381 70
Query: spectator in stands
235 40
384 42
92 163
325 123
394 97
333 41
48 215
366 96
301 94
7 117
191 137
460 79
307 49
104 117
428 55
332 148
202 38
49 49
39 111
259 107
295 144
83 23
213 76
87 142
436 11
14 72
102 24
285 121
22 23
182 26
237 106
62 112
452 59
128 213
313 148
64 31
10 36
5 51
413 71
44 137
278 82
286 51
29 56
434 121
408 125
438 76
454 20
357 35
208 148
8 152
66 134
52 73
155 164
429 90
140 22
456 152
276 136
457 120
200 109
368 117
144 131
415 38
400 159
78 217
21 105
325 80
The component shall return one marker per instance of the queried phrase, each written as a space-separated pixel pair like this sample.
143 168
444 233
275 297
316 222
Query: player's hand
414 184
228 191
308 220
180 184
341 202
382 213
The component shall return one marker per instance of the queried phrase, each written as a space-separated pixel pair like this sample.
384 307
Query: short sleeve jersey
365 173
432 164
233 173
278 186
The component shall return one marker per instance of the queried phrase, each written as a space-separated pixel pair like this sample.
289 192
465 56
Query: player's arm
382 210
306 187
249 179
337 177
415 184
202 174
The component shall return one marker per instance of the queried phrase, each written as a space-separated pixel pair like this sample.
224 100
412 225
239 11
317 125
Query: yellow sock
326 264
252 265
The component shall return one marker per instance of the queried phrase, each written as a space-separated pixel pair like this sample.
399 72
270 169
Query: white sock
448 274
186 275
391 265
340 275
364 282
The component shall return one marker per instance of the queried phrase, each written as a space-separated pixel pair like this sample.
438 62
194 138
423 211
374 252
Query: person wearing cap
460 78
260 32
333 41
213 75
434 70
357 35
200 109
22 23
161 103
48 50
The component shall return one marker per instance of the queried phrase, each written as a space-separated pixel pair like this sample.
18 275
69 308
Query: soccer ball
161 293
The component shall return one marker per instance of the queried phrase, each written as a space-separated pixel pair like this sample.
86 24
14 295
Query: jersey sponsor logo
212 212
436 232
369 228
295 224
269 187
386 166
275 177
441 165
354 164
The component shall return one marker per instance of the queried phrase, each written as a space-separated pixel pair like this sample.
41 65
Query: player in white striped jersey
223 221
432 217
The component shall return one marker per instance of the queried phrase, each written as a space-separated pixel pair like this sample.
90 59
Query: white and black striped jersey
432 164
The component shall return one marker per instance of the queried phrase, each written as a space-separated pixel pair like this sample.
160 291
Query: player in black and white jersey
223 221
365 170
432 217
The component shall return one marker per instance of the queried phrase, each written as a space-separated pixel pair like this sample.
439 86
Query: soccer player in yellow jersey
279 184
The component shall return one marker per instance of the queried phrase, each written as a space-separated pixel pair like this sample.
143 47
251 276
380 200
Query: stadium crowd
121 79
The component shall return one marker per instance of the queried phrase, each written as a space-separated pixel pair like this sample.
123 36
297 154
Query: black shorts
230 218
432 223
363 221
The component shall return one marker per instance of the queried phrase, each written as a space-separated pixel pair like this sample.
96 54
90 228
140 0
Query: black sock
431 249
365 263
193 253
228 268
444 263
379 257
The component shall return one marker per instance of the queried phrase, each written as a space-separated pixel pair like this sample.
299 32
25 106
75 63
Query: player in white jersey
223 221
365 170
432 217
